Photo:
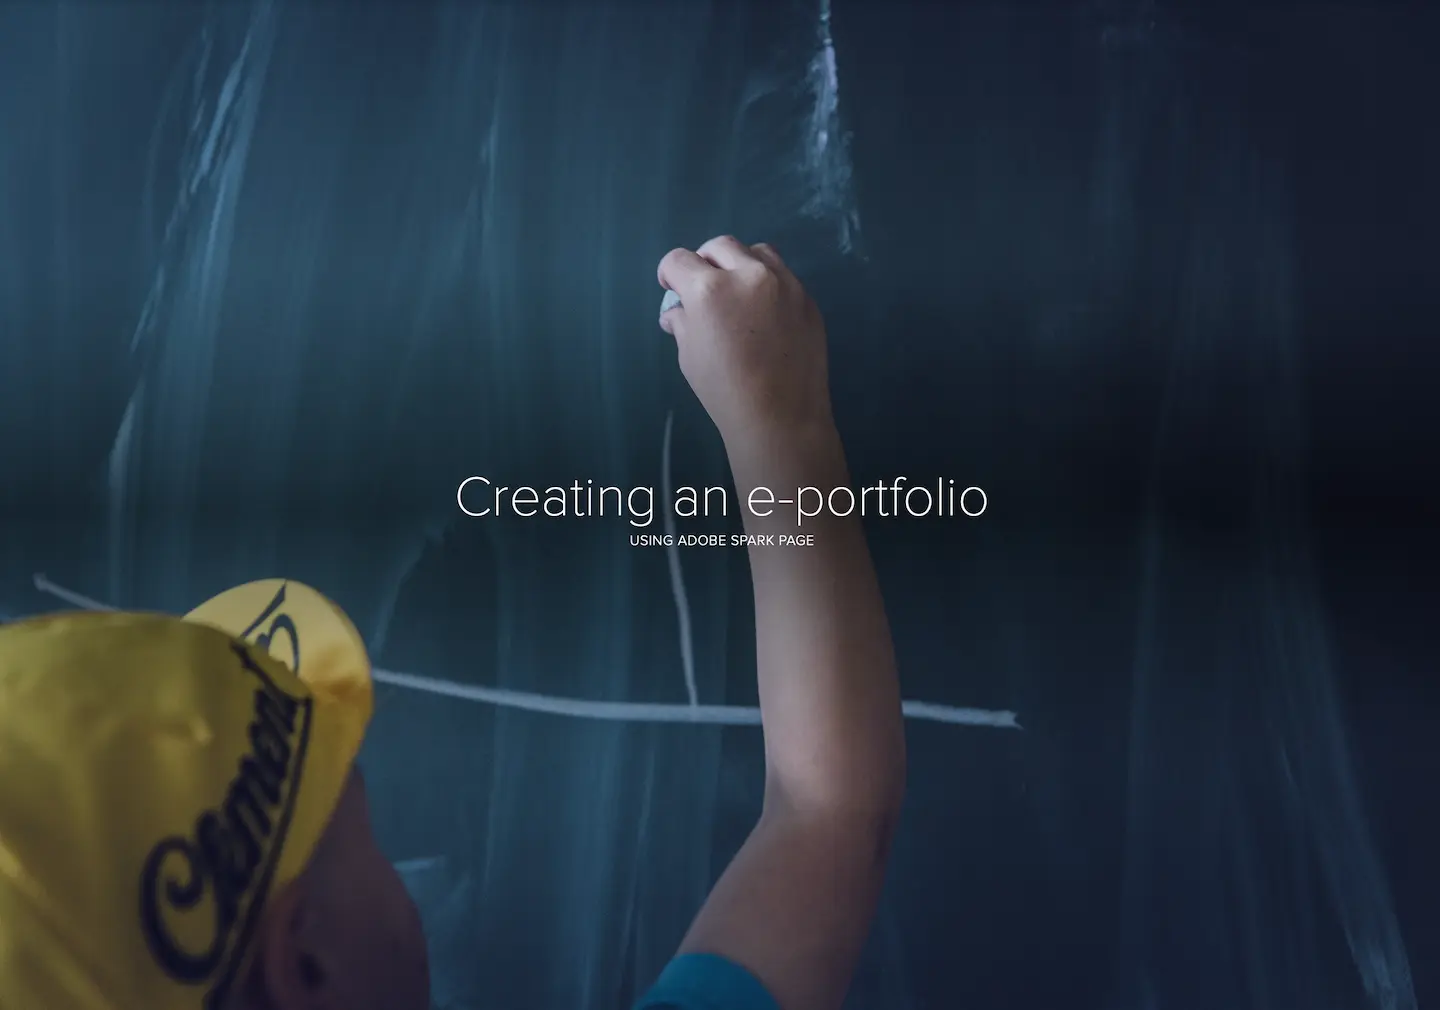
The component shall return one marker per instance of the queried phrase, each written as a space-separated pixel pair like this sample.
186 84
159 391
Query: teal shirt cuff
706 982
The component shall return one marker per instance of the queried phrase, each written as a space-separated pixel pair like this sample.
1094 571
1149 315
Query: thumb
670 307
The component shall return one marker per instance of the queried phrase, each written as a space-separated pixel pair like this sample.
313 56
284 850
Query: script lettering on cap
214 879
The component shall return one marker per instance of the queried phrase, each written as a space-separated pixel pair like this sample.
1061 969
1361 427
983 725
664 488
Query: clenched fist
751 341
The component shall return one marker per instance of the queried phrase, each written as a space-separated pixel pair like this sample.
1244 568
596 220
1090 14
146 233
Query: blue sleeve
706 982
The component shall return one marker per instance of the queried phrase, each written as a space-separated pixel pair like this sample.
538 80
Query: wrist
787 456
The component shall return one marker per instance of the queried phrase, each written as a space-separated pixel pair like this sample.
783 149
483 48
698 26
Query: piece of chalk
667 303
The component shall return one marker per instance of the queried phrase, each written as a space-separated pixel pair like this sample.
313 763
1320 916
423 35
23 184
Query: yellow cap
160 778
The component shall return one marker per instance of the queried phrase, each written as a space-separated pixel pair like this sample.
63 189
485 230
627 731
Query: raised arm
795 905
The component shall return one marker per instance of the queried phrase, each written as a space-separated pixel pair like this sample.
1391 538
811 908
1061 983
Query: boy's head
182 824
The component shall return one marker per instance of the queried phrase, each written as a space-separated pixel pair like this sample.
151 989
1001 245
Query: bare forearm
795 904
829 699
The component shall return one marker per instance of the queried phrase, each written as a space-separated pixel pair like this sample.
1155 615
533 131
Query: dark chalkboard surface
275 278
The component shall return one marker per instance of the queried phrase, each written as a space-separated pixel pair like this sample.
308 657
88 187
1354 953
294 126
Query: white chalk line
605 711
677 575
71 597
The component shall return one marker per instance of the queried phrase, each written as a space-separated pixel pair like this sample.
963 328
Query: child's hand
751 342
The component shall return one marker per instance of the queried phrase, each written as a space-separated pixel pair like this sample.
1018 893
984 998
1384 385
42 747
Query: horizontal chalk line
607 711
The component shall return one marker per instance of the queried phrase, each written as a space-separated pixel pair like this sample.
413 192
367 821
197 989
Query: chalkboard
276 278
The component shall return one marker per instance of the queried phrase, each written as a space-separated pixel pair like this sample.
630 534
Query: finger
726 252
672 322
681 270
672 318
765 253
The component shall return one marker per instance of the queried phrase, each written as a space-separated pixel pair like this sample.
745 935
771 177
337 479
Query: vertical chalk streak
677 575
